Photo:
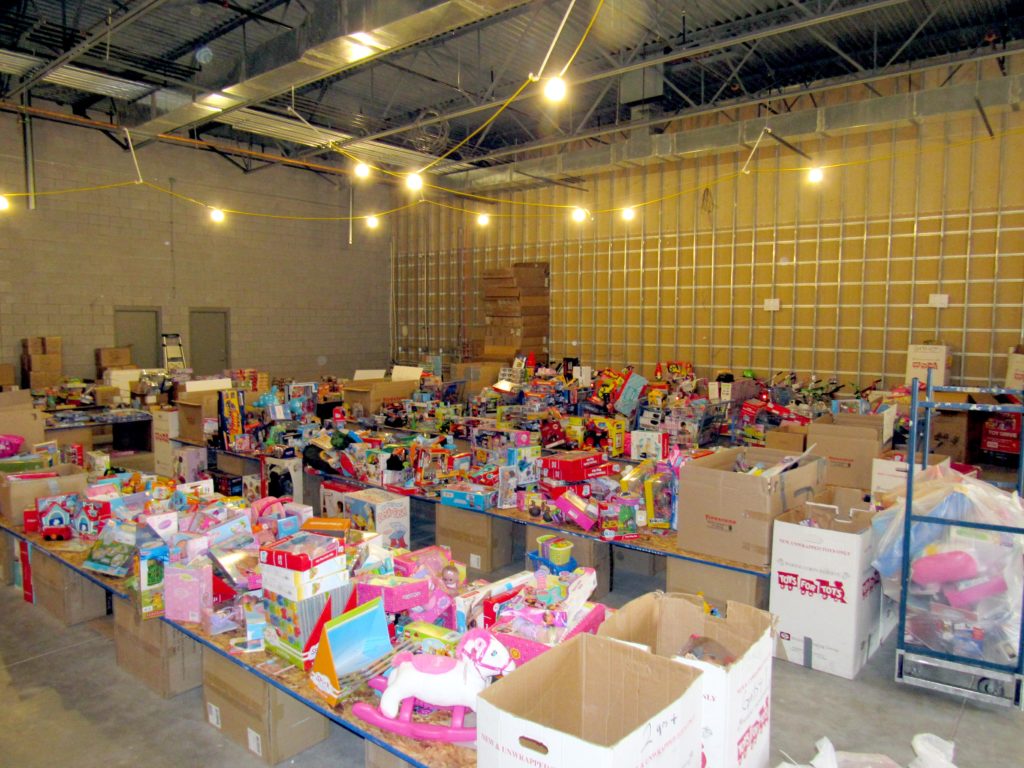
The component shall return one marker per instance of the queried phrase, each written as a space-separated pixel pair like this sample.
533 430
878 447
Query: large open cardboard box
850 442
728 515
735 715
18 417
371 394
719 585
19 495
824 590
592 702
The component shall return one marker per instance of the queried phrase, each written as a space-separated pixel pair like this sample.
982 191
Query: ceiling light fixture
372 222
362 170
414 182
217 215
483 219
815 174
579 215
555 89
628 214
4 203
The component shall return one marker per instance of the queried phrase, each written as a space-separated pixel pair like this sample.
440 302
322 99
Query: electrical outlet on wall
938 300
772 305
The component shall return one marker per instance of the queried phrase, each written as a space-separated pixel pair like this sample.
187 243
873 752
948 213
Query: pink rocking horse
438 681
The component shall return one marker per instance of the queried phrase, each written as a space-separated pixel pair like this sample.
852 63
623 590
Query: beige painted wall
302 300
904 211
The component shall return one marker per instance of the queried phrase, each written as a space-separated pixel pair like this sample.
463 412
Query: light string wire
554 209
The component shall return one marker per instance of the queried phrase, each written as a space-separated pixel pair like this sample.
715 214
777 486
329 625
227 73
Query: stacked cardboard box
516 306
41 361
116 358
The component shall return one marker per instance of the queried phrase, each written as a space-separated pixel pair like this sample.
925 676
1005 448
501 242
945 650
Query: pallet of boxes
516 306
42 361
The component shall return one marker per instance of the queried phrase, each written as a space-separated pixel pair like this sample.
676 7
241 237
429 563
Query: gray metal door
139 328
208 341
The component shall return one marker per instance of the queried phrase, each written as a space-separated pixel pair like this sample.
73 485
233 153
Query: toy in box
525 459
430 638
644 444
282 477
469 496
56 515
332 498
91 518
377 510
149 567
188 590
301 551
660 499
294 626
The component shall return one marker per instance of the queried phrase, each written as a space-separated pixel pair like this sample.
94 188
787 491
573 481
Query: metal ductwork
640 148
336 36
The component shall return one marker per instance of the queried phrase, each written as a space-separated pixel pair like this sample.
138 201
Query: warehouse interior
806 186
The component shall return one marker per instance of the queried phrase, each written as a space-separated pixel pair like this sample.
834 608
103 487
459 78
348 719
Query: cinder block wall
302 301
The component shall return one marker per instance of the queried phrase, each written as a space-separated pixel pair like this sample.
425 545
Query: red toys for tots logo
823 588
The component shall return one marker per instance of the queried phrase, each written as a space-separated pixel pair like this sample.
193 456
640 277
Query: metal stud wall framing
904 212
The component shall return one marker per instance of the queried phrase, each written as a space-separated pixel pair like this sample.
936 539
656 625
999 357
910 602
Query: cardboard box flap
841 426
590 670
16 398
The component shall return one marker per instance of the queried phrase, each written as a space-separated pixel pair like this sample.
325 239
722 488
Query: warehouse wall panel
303 301
905 211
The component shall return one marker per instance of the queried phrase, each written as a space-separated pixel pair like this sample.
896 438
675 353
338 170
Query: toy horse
439 681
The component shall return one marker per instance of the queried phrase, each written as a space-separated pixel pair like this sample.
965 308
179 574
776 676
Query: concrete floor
64 701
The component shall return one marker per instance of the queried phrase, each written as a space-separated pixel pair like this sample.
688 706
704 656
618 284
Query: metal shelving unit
963 675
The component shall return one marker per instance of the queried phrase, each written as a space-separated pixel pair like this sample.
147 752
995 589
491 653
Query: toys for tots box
607 705
735 719
725 512
824 590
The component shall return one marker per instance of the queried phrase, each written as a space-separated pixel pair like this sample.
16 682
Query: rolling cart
989 674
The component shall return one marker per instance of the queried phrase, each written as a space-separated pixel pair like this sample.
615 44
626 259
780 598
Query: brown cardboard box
166 660
104 395
40 379
53 345
108 357
193 409
18 417
7 549
482 542
849 443
7 375
66 595
633 561
72 436
33 345
237 465
587 552
789 437
373 393
477 375
42 363
18 495
718 585
255 714
378 757
956 434
728 514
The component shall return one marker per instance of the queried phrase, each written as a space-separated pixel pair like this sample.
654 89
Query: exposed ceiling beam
335 37
93 37
680 53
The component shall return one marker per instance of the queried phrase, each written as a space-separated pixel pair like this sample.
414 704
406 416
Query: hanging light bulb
217 215
414 182
555 89
579 215
372 222
815 174
4 203
628 214
483 219
362 170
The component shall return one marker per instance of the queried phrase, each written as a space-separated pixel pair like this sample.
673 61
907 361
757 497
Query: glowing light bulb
628 214
483 219
362 170
554 89
579 215
414 182
372 222
815 174
4 203
217 215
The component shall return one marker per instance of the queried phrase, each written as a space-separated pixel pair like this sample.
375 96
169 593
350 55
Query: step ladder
174 352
